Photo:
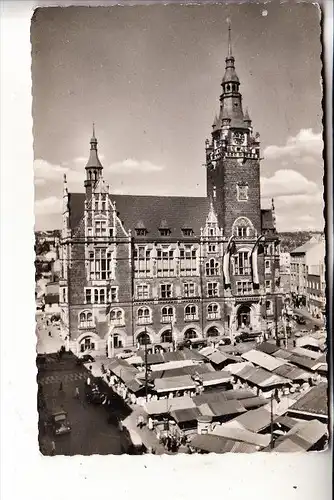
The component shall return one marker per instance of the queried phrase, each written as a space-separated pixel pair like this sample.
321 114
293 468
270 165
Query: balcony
167 319
144 320
191 317
117 322
213 315
84 325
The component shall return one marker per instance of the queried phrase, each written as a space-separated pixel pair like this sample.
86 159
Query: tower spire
229 49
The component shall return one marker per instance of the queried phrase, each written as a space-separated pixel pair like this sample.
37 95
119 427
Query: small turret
94 167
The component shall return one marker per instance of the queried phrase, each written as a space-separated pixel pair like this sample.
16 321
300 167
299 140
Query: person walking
61 387
53 447
77 393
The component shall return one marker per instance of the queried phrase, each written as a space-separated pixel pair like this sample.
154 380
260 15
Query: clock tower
233 157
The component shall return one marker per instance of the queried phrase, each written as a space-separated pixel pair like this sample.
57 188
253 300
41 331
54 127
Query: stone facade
166 269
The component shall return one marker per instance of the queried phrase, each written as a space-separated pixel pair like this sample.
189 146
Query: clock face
238 137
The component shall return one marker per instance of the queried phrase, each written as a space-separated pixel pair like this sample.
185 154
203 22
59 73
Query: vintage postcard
180 245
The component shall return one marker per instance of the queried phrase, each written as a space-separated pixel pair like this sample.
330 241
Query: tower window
165 232
187 232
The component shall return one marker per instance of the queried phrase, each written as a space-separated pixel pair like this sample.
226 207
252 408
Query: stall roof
164 406
222 408
254 420
255 402
300 351
217 444
185 415
173 356
185 370
241 434
170 365
236 368
209 397
95 368
315 401
152 359
267 347
213 378
262 359
261 377
282 354
174 383
301 437
304 362
292 372
192 354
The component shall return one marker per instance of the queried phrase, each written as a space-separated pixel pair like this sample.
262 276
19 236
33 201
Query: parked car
85 358
127 353
247 336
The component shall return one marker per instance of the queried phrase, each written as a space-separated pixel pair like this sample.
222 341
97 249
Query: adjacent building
308 258
158 269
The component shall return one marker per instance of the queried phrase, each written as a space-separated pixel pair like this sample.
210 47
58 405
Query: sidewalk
148 437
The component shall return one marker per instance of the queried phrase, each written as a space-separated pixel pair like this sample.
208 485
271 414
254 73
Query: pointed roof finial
229 50
93 136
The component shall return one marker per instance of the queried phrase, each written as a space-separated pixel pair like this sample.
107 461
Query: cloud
48 173
287 183
48 206
130 165
306 147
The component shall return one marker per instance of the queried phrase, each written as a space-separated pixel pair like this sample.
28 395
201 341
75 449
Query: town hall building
163 269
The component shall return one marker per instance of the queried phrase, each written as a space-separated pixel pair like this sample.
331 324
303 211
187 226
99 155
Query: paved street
45 343
91 433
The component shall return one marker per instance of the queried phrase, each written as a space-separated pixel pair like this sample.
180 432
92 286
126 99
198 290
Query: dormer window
187 231
140 229
164 232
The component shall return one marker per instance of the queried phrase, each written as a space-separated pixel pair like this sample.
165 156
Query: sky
149 78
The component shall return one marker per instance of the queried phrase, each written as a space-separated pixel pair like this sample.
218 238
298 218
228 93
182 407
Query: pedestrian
53 447
60 387
50 334
77 393
88 381
120 425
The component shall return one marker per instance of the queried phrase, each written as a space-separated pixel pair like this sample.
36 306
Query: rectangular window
166 291
96 295
165 262
142 292
213 289
142 261
113 294
244 287
100 267
187 232
188 263
267 266
242 232
189 289
212 248
268 285
100 228
242 264
102 296
88 295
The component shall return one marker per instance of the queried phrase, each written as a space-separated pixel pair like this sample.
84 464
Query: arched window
86 319
190 334
117 316
190 312
212 332
144 316
213 311
212 268
243 228
117 340
167 336
167 314
87 344
143 339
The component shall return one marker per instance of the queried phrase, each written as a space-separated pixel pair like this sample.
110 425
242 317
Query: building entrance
243 316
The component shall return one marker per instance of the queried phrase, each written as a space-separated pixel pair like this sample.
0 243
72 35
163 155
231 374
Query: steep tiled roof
314 401
179 211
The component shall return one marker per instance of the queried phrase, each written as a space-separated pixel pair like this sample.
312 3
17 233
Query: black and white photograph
180 248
